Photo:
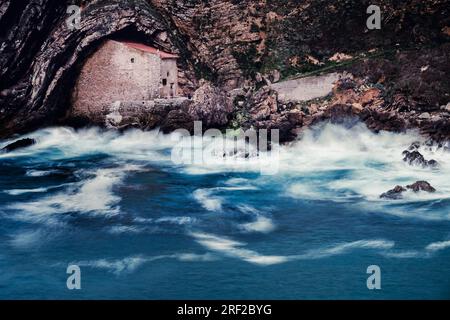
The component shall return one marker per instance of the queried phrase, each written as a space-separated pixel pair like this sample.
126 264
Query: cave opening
102 82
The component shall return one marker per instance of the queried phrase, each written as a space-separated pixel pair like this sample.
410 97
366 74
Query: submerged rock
397 192
19 144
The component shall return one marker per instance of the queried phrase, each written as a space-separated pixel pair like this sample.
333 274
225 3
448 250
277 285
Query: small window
164 82
168 74
132 60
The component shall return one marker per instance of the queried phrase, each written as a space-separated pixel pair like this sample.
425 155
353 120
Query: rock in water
421 186
19 144
433 164
394 194
414 146
415 158
397 192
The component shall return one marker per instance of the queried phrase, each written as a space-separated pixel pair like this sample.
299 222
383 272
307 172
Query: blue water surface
141 227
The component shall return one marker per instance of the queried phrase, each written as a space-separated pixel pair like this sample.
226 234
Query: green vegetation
248 59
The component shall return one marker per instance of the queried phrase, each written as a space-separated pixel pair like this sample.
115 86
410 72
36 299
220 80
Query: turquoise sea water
140 226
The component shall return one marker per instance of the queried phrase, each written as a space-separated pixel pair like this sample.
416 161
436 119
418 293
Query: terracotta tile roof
143 47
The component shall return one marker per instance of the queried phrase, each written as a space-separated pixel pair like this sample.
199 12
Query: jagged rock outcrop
263 110
226 37
415 158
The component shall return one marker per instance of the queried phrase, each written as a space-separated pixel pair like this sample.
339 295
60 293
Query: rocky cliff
233 51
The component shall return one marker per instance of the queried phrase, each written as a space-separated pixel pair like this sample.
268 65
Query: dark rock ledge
19 144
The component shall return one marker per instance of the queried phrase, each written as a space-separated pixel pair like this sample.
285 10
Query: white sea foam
437 246
407 254
132 263
67 143
355 165
17 192
234 249
26 239
192 257
226 154
343 248
330 163
126 265
247 209
371 163
208 201
143 220
125 229
237 181
94 195
40 173
261 224
177 220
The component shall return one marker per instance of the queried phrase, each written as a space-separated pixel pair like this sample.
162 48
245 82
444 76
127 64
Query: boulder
415 158
19 144
210 106
433 164
397 192
446 107
421 186
425 116
393 194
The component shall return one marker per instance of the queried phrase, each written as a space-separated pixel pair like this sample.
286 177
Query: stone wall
148 114
169 71
305 89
